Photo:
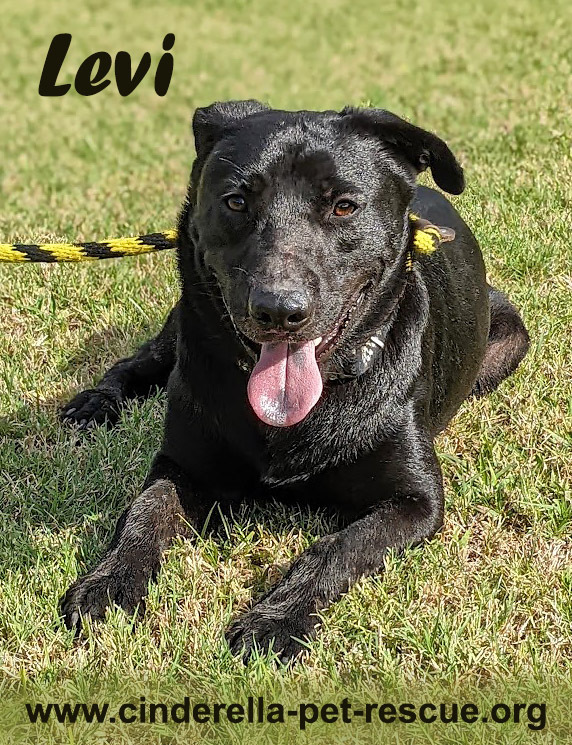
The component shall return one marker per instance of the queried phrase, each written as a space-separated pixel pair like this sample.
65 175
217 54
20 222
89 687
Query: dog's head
301 218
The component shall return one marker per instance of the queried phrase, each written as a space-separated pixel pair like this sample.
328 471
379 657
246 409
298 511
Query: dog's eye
236 203
344 208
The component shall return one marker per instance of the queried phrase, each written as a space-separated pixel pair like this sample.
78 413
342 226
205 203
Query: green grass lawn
488 602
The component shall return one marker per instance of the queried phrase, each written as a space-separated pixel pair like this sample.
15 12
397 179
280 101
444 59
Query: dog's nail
82 423
69 412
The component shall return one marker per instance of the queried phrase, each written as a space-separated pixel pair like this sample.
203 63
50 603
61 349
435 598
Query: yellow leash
426 239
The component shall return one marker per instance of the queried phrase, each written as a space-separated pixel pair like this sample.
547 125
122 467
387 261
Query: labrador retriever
314 353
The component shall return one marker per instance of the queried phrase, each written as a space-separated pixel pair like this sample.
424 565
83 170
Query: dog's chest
335 432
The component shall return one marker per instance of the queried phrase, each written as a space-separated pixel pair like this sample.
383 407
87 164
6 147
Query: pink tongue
285 384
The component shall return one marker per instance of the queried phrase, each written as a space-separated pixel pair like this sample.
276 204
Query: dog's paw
93 594
91 408
285 635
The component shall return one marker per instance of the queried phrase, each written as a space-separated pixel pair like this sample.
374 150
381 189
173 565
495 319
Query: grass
486 605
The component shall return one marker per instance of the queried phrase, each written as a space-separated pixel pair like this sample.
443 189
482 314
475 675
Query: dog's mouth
327 343
286 382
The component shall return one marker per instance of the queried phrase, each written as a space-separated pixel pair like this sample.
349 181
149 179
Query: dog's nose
287 310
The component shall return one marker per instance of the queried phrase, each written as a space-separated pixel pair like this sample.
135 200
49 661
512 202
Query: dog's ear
210 122
420 148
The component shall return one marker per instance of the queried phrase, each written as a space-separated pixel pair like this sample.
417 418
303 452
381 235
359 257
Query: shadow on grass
56 481
86 364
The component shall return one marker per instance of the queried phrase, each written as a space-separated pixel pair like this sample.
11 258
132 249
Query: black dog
313 354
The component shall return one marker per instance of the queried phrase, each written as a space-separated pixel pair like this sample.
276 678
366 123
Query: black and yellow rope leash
111 249
426 239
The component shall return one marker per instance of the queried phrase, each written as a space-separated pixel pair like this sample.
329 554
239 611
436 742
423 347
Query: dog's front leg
165 508
405 482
